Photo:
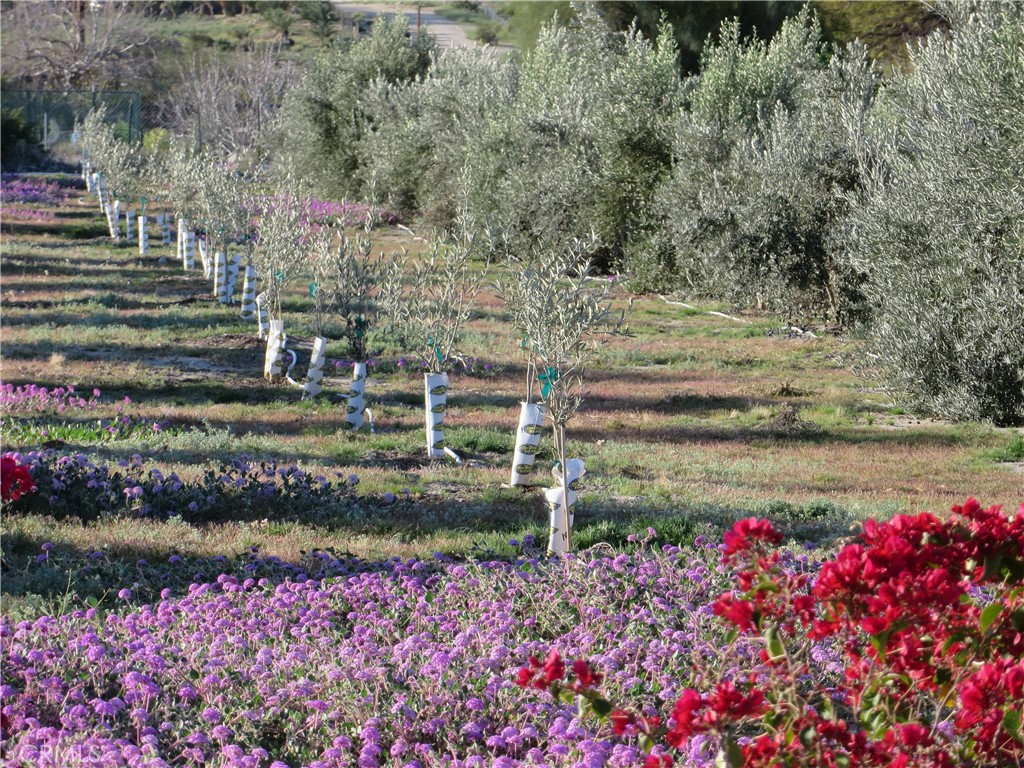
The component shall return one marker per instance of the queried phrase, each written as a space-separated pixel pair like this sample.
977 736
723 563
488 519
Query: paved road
446 32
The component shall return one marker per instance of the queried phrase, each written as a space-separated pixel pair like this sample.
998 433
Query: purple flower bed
240 488
346 212
30 214
15 188
409 664
32 397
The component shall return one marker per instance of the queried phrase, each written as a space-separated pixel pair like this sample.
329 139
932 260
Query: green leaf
776 648
808 736
989 614
992 566
1012 723
584 706
602 707
646 743
730 756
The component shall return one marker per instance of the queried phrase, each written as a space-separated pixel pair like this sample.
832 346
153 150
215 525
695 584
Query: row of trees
786 175
266 221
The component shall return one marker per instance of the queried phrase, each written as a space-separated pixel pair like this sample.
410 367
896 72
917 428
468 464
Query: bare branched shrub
62 45
230 105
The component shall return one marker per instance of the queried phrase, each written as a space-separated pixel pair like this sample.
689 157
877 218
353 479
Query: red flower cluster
544 675
15 479
745 533
541 676
929 614
727 704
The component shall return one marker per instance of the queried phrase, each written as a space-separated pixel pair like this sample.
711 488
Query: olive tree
941 234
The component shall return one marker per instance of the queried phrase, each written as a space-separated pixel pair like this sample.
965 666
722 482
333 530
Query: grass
693 421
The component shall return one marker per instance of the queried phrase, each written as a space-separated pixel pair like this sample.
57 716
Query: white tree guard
163 221
87 174
261 315
234 265
276 340
100 187
313 385
249 293
189 249
436 402
562 515
204 255
129 225
220 277
181 242
355 410
114 219
531 422
143 236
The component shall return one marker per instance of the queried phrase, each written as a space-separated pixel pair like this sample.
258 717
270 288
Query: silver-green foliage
225 200
325 118
179 176
768 159
562 313
345 280
573 139
282 243
120 162
427 300
943 232
429 134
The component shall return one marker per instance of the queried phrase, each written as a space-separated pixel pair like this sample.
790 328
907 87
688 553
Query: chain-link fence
52 114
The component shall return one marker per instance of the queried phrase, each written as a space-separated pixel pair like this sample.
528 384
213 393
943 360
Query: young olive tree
181 171
281 244
941 233
346 277
426 303
225 201
120 162
562 314
345 281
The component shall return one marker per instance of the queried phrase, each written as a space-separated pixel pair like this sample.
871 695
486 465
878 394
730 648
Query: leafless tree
72 43
230 105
